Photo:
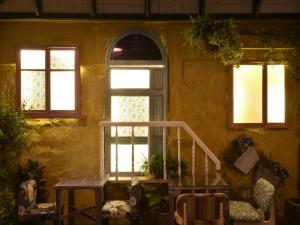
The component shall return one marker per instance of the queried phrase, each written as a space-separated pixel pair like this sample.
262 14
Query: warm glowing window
48 81
258 96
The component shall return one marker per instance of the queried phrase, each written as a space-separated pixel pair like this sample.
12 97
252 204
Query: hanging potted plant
220 37
241 153
271 170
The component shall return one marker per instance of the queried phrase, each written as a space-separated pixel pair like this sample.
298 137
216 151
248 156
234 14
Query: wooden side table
71 184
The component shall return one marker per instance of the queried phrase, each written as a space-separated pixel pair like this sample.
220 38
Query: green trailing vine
218 36
290 39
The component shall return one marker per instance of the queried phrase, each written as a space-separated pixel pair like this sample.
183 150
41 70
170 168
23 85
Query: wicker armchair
202 208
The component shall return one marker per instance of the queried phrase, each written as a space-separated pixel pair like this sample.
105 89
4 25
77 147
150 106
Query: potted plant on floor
154 167
241 153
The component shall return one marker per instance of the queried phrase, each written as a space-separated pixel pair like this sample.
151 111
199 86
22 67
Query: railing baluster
179 153
165 152
149 156
117 154
102 152
132 151
193 162
206 171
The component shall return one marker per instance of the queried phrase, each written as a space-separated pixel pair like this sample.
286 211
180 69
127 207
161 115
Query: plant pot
292 210
160 218
247 160
269 175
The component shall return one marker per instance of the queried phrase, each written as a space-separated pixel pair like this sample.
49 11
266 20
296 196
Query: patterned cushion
263 193
27 197
243 211
43 208
135 192
116 208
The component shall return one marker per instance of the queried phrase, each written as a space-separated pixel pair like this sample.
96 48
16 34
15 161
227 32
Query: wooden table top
88 182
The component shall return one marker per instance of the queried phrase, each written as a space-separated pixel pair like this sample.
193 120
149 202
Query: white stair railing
164 125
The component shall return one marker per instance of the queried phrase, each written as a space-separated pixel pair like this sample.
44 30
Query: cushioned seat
243 211
43 208
29 211
117 208
125 209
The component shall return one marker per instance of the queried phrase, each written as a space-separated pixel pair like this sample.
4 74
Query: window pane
130 79
33 90
62 59
124 157
32 59
247 94
276 94
63 90
136 47
130 109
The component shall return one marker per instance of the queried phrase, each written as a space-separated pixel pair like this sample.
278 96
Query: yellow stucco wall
197 95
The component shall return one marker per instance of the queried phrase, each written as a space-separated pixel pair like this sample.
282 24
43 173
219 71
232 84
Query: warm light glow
32 59
62 59
63 90
117 49
130 109
33 90
124 157
128 79
276 94
247 94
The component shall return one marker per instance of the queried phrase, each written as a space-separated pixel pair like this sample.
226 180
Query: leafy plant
14 132
32 170
273 165
155 166
222 38
14 136
290 39
237 147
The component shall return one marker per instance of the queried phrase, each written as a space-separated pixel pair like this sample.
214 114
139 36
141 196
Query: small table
80 183
215 184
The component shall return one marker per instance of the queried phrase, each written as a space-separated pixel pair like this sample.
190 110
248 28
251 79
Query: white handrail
165 124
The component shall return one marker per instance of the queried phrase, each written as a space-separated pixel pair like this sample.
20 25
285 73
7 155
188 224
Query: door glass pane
32 59
247 94
276 94
138 79
62 59
33 90
130 109
124 157
63 90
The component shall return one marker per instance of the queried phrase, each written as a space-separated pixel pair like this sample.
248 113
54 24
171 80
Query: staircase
180 126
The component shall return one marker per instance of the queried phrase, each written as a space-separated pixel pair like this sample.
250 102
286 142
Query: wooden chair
243 213
125 209
28 210
202 208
